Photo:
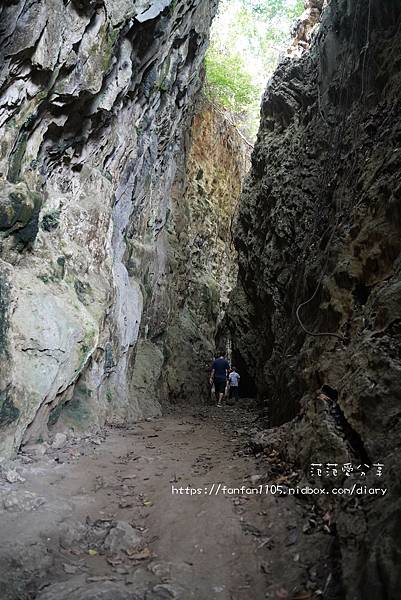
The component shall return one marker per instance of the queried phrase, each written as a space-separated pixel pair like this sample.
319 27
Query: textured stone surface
94 101
318 234
76 588
21 501
122 537
306 26
59 441
204 267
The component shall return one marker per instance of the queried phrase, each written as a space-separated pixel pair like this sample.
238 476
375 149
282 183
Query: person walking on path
219 376
233 379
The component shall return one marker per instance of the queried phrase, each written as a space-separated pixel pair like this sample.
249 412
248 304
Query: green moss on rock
4 321
76 412
28 233
19 212
83 291
50 220
8 412
16 158
54 415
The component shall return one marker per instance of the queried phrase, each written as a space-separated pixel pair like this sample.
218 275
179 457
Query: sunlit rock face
204 267
306 26
94 101
318 236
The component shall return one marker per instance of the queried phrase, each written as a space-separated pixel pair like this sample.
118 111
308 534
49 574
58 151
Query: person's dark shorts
234 392
219 386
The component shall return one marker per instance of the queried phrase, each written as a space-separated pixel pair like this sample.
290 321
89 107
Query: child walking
233 379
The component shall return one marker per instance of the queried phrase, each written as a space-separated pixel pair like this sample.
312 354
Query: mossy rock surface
83 291
8 411
76 413
50 220
19 212
4 320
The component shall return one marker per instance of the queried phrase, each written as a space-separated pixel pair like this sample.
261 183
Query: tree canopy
246 41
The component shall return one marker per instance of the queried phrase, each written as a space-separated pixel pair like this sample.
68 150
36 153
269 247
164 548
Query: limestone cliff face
186 296
319 290
305 27
203 268
94 101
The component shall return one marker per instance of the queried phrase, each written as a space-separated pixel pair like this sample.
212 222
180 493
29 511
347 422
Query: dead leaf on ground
142 555
131 551
114 561
283 479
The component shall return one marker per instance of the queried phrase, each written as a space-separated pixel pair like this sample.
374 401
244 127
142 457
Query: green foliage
247 39
228 81
274 8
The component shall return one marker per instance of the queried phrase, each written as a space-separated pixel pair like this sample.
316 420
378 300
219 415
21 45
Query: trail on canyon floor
98 519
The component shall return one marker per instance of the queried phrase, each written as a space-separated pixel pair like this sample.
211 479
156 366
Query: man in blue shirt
219 376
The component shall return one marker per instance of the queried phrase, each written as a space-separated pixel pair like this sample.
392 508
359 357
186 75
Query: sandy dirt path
203 546
108 517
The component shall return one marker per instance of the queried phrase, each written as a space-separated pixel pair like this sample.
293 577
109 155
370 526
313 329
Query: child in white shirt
233 379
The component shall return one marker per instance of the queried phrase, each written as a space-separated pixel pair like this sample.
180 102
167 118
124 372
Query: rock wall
94 101
305 27
204 260
188 294
317 303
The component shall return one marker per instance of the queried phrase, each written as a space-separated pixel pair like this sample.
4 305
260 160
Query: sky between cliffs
247 39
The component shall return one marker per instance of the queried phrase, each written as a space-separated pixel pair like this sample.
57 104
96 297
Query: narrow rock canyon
141 235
